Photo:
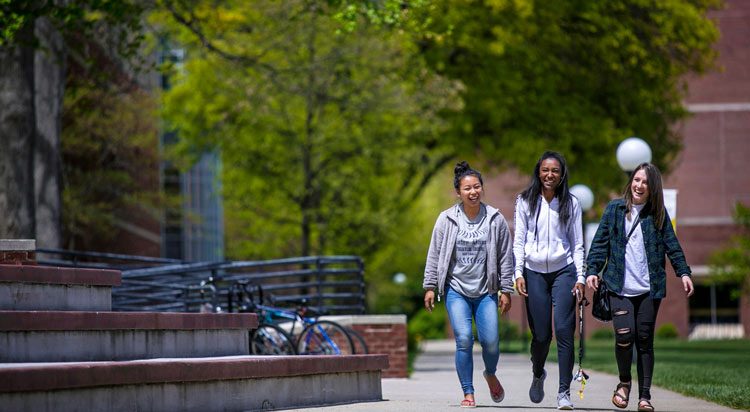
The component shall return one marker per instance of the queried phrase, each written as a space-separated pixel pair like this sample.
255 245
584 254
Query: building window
195 232
714 304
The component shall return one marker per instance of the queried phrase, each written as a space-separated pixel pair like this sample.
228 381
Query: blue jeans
483 310
548 291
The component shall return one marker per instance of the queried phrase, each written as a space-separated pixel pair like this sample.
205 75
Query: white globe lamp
632 152
584 195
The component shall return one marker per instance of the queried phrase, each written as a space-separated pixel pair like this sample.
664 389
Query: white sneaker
563 401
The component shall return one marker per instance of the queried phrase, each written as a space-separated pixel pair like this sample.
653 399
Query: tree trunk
49 72
17 139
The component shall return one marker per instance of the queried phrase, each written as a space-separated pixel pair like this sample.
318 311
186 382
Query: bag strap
635 224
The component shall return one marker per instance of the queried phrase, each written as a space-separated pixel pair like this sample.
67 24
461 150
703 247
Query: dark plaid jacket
608 248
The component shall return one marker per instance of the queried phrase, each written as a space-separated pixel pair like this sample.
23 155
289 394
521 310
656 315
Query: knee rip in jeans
621 312
623 334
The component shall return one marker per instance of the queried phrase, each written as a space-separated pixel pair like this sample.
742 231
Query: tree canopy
573 76
81 18
325 139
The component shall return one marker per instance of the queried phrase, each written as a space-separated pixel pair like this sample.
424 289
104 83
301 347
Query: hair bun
461 168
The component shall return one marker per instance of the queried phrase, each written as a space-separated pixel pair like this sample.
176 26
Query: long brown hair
655 202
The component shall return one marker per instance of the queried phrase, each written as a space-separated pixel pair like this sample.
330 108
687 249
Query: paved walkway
433 386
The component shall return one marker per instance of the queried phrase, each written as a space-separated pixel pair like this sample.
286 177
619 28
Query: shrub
603 334
426 325
667 331
509 330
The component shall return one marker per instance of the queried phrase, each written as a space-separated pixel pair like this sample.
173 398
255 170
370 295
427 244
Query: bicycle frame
269 313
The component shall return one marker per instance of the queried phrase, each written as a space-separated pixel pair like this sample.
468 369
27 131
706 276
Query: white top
543 244
636 262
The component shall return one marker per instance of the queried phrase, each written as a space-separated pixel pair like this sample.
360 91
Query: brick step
24 287
60 336
235 383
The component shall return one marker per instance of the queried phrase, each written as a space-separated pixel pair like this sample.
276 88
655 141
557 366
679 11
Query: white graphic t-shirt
467 273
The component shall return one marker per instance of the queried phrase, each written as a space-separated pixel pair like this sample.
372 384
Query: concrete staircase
62 349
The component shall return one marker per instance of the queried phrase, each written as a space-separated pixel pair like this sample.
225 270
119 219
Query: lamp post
586 198
631 152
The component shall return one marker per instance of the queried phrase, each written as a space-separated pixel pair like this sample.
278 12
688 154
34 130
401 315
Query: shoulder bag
601 310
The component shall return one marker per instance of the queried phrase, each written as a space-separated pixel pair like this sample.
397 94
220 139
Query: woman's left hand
579 291
504 303
687 284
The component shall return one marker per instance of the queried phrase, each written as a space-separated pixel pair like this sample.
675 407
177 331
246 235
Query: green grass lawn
716 370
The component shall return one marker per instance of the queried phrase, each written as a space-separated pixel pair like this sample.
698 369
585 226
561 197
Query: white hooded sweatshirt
541 242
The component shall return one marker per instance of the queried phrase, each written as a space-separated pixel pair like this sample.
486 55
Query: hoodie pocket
536 253
558 252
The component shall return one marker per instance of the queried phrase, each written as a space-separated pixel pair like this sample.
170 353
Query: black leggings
633 319
552 293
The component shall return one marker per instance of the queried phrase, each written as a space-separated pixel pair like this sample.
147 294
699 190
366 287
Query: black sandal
625 398
644 405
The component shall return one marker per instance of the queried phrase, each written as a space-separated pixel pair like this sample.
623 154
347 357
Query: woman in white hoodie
549 270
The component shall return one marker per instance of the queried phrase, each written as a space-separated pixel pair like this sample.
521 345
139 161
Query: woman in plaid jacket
634 236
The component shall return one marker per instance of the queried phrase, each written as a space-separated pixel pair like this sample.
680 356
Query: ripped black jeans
633 319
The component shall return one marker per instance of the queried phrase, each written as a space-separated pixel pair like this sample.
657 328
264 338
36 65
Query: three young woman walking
471 258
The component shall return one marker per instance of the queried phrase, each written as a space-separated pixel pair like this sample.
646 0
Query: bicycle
318 337
360 345
267 339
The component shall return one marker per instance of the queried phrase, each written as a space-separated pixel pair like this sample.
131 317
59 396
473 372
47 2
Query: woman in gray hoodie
470 262
548 251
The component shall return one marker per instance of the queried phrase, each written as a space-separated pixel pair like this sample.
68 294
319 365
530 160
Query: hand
429 300
580 292
687 284
504 303
592 281
521 287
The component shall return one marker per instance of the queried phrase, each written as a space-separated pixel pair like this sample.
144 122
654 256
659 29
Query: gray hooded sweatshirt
443 242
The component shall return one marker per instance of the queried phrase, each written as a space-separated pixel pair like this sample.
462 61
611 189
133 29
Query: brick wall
383 334
17 252
389 339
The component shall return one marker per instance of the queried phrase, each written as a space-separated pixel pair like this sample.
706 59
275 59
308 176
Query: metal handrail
75 254
334 284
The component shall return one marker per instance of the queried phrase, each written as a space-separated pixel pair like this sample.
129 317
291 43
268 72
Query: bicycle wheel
270 339
324 338
360 345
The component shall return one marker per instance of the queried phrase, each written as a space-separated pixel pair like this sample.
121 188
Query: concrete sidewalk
433 386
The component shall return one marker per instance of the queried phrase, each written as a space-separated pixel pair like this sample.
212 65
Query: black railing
98 260
330 284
